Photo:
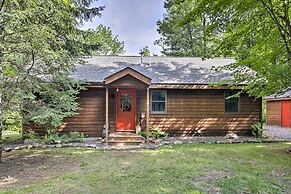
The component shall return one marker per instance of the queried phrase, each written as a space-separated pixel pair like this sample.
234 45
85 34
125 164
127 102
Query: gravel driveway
277 132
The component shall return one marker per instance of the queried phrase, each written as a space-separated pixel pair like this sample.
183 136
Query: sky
134 21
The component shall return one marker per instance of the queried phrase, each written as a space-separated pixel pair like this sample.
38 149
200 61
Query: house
125 93
279 109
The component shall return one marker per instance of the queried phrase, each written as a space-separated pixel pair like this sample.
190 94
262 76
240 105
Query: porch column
106 118
148 114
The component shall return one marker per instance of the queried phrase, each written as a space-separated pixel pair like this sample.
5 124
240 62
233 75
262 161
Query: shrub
155 132
158 133
145 134
257 130
29 134
76 136
12 121
264 111
65 138
51 138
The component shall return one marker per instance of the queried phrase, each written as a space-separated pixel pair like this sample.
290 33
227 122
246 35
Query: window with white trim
159 101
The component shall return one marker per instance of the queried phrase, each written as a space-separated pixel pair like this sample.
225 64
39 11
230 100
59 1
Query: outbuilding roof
284 95
159 69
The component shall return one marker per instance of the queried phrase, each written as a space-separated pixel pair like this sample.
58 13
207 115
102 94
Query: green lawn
188 168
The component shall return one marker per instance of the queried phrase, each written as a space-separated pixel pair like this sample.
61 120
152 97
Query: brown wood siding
273 111
187 111
91 115
190 110
127 82
112 109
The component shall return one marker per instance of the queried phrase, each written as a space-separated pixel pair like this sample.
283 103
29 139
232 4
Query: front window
231 105
159 99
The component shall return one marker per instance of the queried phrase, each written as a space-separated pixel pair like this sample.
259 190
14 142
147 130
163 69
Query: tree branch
2 5
271 12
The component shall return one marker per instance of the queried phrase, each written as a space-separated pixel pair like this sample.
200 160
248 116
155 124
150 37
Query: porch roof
128 71
182 70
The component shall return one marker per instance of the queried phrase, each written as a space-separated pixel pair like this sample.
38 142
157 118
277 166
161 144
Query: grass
10 136
188 168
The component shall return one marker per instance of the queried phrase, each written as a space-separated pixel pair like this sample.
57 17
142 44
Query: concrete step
127 147
125 142
125 137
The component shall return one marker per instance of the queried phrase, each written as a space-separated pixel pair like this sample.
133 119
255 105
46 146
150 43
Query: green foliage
108 44
264 111
188 39
145 134
257 130
145 51
154 132
11 136
76 136
256 33
158 133
40 44
53 137
51 103
29 134
12 121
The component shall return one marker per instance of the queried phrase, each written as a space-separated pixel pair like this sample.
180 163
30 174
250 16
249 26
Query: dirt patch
24 167
281 175
208 181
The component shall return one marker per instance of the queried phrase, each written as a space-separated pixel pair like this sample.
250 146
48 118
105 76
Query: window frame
238 103
166 101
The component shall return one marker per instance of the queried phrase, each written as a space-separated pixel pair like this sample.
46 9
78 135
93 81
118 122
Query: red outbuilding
279 109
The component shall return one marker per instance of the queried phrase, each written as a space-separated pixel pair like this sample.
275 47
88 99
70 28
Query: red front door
125 109
286 114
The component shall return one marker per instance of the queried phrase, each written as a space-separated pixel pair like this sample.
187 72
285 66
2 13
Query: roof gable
127 71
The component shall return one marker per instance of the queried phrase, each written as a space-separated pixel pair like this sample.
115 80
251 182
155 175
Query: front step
125 139
124 143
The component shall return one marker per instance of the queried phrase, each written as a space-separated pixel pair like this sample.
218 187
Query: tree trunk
204 37
1 126
2 26
189 30
1 104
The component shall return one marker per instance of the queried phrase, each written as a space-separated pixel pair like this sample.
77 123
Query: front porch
127 100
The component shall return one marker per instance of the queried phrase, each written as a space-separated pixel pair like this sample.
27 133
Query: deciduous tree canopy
257 33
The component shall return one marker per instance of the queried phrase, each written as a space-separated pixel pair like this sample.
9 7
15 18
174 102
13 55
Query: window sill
231 113
158 113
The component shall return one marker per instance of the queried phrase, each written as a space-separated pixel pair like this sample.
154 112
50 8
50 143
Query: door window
125 103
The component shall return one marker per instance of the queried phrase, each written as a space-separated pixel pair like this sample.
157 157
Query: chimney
141 57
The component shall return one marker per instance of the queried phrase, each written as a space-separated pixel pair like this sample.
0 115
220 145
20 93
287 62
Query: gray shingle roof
286 94
159 69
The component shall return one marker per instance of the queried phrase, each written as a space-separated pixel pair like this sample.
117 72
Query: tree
145 51
108 43
188 39
40 43
257 33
